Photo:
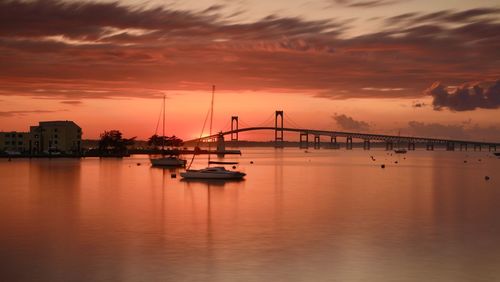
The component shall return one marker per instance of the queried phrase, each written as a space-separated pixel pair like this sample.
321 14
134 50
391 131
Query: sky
422 68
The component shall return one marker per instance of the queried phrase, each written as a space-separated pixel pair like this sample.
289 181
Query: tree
158 141
112 141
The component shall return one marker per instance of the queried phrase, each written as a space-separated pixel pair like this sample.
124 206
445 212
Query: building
15 141
47 137
56 136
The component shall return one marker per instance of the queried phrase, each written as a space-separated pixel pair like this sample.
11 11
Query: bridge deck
364 136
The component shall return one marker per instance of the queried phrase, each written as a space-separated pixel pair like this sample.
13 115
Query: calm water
321 216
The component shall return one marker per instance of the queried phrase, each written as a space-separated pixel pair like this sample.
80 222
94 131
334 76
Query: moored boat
217 172
210 173
168 161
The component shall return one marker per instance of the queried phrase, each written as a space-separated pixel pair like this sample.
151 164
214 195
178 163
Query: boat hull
220 175
168 162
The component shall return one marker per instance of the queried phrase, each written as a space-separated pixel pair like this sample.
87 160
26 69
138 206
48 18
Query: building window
7 143
55 129
36 136
55 135
7 135
55 141
19 143
20 135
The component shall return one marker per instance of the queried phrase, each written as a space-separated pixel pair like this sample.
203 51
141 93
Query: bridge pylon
317 142
278 129
234 126
304 140
348 143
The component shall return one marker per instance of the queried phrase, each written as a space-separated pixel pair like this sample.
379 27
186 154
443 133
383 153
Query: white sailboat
167 161
218 172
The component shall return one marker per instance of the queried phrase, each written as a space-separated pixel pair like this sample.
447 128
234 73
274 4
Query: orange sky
333 64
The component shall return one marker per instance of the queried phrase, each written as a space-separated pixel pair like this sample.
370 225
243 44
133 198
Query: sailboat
167 161
217 172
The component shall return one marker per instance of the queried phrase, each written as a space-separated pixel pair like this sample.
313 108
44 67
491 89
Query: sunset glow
376 62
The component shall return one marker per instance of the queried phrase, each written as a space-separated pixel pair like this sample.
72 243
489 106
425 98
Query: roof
58 122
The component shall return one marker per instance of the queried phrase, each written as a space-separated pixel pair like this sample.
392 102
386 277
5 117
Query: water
326 215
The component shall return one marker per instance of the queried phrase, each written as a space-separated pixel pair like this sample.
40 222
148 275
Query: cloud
24 113
436 130
466 97
462 131
108 50
350 124
366 4
72 102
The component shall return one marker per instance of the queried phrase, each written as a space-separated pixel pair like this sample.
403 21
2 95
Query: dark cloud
449 16
23 113
367 4
103 50
466 97
350 124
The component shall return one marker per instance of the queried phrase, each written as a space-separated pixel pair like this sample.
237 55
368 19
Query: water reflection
326 215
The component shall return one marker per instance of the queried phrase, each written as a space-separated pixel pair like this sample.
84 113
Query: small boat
168 161
400 151
496 154
216 172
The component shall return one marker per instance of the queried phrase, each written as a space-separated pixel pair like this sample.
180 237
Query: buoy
382 166
138 164
234 167
465 162
251 162
173 175
396 162
486 177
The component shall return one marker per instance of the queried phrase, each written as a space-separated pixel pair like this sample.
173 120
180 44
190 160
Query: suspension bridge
366 138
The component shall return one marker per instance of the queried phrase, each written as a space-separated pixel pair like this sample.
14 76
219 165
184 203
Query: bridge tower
278 129
221 145
234 126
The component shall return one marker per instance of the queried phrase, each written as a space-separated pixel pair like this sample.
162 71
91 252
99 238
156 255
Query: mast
163 137
211 121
